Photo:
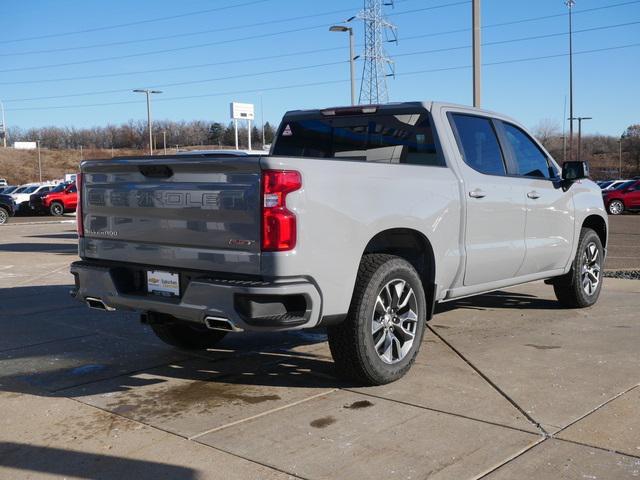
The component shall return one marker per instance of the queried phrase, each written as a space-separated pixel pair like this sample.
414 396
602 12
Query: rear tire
4 216
616 207
581 287
186 336
379 340
56 209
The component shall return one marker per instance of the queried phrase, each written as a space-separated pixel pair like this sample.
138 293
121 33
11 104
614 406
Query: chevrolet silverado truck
359 220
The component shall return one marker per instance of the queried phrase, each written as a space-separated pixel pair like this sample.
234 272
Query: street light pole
477 60
620 157
570 4
579 119
39 160
352 57
149 124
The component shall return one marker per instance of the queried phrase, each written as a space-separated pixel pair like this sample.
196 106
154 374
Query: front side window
530 160
478 144
384 138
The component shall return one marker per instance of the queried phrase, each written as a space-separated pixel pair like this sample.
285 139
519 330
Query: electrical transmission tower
377 64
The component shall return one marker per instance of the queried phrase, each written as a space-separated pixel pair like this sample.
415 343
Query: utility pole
164 141
579 119
149 124
620 157
477 60
570 4
262 119
3 130
352 57
39 160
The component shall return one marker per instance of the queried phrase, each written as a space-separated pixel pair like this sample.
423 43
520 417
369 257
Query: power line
201 45
305 67
329 82
216 30
130 24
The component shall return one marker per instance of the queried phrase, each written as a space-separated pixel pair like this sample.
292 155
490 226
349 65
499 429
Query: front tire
616 207
186 336
581 287
56 209
4 216
379 340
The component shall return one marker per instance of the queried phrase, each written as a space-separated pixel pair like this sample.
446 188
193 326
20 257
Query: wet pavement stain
359 404
198 397
322 422
543 347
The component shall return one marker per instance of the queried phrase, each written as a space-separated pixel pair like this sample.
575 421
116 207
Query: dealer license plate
163 283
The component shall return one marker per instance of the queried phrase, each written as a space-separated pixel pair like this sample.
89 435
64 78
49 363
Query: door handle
477 193
533 195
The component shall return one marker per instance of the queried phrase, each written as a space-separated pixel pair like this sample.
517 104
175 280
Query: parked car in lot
624 198
613 185
3 182
62 199
7 190
23 195
7 208
359 220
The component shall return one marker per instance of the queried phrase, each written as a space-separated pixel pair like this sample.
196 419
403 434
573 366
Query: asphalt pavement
507 385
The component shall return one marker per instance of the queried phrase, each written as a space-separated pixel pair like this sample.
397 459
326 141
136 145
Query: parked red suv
625 197
57 203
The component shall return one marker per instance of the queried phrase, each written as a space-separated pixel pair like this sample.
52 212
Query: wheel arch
599 225
414 247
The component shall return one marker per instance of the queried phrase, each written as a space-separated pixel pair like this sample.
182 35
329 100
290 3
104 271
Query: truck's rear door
199 212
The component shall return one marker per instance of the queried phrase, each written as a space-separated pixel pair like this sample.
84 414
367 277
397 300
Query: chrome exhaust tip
98 304
220 323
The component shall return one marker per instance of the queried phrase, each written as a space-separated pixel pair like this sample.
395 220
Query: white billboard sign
25 145
242 111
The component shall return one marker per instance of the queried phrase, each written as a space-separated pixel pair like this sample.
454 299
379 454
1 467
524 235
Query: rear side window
402 138
478 144
529 159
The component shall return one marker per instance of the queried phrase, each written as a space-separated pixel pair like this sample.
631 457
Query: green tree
216 132
269 133
631 143
229 136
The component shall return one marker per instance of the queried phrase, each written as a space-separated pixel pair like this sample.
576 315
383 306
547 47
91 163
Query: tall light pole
477 60
570 4
39 160
352 57
579 119
149 124
3 130
620 157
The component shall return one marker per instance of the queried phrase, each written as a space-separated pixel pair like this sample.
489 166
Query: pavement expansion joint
537 424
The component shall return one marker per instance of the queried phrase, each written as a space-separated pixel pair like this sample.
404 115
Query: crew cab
359 220
625 197
60 200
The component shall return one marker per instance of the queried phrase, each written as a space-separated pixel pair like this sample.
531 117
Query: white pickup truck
359 220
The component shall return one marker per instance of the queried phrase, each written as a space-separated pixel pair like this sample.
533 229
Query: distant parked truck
61 201
360 220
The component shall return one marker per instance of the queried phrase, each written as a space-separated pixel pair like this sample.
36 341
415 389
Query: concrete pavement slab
558 460
557 364
62 364
440 380
60 438
194 396
348 435
615 426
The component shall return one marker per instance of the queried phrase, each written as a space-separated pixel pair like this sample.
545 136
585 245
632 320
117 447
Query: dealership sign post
242 111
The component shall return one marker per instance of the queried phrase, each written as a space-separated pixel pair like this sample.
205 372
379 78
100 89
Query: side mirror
572 171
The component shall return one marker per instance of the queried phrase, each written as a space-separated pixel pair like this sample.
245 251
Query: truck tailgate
193 212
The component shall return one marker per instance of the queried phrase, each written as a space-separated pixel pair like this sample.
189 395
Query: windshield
604 185
625 185
59 188
20 189
30 189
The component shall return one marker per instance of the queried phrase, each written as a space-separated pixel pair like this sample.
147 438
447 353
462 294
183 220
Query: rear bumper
285 304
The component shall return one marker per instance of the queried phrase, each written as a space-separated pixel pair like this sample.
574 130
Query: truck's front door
495 206
550 224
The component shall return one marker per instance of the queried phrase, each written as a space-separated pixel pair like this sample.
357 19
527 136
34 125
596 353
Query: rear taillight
278 223
79 219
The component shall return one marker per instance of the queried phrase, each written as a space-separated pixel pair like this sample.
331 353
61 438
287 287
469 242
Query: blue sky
605 81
